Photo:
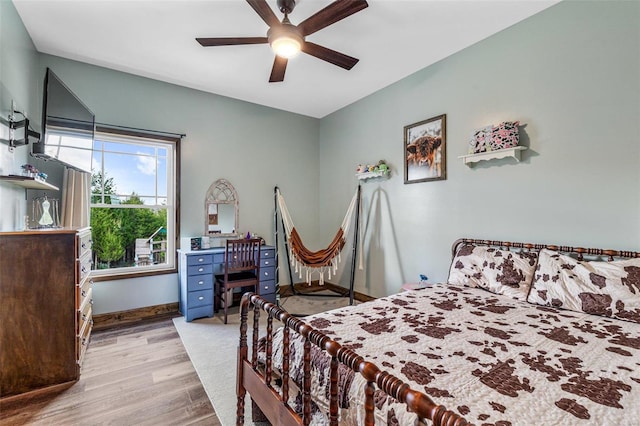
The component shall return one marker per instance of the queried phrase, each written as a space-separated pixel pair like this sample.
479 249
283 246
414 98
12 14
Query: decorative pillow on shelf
609 289
505 135
480 140
499 271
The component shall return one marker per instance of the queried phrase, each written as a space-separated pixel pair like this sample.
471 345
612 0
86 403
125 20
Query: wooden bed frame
270 402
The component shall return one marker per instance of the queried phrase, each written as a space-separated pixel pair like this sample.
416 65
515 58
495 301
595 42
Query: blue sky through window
139 168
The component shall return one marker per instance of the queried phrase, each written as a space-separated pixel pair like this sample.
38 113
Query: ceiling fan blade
279 67
262 8
331 14
336 58
229 41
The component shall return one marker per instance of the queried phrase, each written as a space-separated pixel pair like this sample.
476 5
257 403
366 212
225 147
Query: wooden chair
241 269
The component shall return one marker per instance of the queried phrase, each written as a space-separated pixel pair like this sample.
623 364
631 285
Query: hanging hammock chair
323 262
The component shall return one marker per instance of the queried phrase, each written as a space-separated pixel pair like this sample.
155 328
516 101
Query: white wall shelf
493 155
28 182
371 175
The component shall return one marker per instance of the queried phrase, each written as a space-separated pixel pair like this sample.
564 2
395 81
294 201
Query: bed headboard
579 252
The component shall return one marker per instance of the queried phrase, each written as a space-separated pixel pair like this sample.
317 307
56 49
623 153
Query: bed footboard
272 399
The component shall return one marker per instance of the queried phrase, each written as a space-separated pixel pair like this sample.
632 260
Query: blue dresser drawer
199 312
199 282
199 259
267 274
267 254
267 287
268 262
200 298
200 269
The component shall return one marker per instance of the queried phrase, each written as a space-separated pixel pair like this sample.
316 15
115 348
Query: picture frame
425 148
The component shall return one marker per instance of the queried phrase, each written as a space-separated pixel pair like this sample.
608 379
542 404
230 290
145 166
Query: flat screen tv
68 126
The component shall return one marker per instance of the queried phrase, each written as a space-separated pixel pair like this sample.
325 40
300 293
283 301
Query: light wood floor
139 375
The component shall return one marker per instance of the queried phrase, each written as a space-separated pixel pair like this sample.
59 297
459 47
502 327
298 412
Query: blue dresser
197 269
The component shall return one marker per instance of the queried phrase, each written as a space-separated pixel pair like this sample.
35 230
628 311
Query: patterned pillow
610 289
505 135
499 271
480 140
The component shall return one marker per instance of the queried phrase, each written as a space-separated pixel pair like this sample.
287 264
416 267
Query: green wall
18 79
571 74
253 147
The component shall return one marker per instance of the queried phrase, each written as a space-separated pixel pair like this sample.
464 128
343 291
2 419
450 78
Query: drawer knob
266 263
266 287
266 274
200 282
200 269
200 259
200 297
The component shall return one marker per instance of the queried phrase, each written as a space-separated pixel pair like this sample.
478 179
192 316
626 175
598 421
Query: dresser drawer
84 267
200 269
85 300
84 316
202 259
268 254
200 298
199 312
267 274
199 282
85 244
83 341
268 262
83 292
267 287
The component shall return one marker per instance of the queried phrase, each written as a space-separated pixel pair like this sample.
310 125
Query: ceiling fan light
286 47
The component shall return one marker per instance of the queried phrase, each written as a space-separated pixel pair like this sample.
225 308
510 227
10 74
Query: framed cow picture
425 147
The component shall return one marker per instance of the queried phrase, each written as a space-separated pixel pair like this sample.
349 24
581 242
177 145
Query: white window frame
172 144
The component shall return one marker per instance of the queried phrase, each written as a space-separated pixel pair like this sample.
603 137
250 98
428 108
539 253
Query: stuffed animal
382 167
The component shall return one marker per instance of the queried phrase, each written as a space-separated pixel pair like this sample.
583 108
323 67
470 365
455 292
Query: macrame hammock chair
307 263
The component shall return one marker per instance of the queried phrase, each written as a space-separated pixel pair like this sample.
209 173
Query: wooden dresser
45 307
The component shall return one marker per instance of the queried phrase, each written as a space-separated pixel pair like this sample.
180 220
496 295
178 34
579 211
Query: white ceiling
155 39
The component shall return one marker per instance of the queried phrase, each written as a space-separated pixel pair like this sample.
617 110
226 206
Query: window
133 203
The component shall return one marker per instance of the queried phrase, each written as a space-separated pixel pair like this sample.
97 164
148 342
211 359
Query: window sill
113 276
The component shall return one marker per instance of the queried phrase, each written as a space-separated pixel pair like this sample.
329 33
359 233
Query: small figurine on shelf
29 170
382 167
360 168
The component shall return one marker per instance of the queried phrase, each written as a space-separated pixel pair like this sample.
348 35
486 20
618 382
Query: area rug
212 347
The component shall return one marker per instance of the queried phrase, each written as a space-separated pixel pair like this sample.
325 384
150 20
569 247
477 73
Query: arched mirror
221 210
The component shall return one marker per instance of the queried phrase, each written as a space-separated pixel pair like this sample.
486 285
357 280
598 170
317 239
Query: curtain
76 192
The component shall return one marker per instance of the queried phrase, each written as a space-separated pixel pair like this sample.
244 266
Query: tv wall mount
15 129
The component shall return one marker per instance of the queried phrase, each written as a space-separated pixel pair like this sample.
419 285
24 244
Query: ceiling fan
287 39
